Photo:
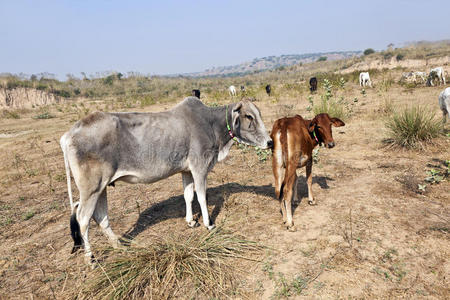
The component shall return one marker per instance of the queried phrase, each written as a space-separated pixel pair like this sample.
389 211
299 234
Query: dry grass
201 265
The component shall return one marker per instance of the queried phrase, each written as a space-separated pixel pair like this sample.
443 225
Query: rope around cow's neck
315 136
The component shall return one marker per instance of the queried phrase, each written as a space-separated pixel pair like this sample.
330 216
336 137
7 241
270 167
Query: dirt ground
372 234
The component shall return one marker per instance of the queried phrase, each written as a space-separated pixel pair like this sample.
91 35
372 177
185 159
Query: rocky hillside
273 62
25 98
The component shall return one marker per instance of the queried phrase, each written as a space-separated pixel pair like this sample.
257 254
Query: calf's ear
337 122
312 125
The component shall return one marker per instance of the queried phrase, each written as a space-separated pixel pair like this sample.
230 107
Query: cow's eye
250 118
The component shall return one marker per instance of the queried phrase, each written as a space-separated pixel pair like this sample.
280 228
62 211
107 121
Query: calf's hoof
193 224
312 202
291 228
211 227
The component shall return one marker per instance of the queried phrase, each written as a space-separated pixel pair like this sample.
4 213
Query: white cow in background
436 73
414 76
364 79
421 75
444 103
232 90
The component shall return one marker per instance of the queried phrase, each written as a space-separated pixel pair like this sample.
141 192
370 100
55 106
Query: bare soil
372 234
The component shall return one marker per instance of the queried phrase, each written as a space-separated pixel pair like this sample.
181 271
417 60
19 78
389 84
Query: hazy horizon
70 37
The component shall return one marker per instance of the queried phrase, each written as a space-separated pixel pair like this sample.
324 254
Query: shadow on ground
174 207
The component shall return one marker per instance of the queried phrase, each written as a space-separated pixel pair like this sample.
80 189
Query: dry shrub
413 127
170 268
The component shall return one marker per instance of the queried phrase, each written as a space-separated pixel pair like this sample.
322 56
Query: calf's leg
311 200
290 180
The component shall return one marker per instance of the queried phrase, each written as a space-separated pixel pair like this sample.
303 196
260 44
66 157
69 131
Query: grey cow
146 147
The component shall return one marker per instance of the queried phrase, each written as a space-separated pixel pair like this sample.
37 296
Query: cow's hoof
90 261
291 228
211 227
312 202
193 224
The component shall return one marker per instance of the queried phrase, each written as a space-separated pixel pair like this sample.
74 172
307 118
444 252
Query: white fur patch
278 152
225 150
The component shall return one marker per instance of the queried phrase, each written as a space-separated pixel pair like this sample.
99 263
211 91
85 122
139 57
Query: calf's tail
284 151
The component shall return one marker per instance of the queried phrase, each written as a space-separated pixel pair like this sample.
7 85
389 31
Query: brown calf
294 139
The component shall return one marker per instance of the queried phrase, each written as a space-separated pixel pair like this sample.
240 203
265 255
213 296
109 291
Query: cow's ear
337 122
235 115
237 107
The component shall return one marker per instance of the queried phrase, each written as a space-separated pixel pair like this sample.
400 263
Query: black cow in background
196 93
268 89
313 84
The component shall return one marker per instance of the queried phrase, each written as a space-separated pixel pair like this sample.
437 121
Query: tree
322 58
369 51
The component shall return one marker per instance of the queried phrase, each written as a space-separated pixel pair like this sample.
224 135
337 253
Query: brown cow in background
294 139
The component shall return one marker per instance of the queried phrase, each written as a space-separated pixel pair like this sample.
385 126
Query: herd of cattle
190 139
435 75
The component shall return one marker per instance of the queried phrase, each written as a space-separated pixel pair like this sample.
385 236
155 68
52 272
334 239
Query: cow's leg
84 213
101 218
311 200
188 185
445 112
200 188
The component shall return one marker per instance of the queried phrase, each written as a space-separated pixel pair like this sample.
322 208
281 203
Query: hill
273 62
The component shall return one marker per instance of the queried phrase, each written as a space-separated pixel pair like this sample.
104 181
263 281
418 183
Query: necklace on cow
315 136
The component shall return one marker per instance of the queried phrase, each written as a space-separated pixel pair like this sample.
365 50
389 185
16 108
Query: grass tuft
413 127
331 107
175 267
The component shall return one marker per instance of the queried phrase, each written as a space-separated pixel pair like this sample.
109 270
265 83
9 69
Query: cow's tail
63 143
74 225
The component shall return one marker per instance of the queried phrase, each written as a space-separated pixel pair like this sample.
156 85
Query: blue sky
165 37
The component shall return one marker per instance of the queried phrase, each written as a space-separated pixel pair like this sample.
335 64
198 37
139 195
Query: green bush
329 105
44 115
109 80
400 56
388 55
322 58
369 51
413 127
9 114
